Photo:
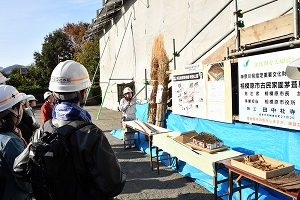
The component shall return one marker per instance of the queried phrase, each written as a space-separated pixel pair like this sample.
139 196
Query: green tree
15 78
57 47
29 79
88 55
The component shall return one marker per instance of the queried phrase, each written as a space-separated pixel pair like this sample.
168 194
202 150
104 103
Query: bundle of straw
153 83
158 75
162 79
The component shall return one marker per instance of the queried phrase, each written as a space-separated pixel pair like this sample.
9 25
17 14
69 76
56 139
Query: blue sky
25 23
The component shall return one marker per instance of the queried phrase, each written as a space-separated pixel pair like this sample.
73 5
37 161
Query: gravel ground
142 182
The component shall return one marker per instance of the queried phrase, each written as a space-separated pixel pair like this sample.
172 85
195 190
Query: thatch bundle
158 75
153 83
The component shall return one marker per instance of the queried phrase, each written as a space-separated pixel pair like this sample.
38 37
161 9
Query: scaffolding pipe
237 31
288 10
204 27
101 56
139 91
212 46
296 19
174 54
270 47
120 79
98 66
259 6
100 109
146 83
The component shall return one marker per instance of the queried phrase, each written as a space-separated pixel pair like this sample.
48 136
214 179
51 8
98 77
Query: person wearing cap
11 144
32 103
47 107
128 108
3 79
26 122
96 166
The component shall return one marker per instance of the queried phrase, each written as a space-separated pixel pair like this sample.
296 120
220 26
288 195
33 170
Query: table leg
157 160
215 181
230 184
150 149
215 185
256 185
240 191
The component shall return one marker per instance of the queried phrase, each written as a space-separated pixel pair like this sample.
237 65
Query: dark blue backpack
47 163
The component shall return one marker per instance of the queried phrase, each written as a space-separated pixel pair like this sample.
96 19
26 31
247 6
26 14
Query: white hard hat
47 94
24 96
126 90
69 76
3 78
31 97
9 97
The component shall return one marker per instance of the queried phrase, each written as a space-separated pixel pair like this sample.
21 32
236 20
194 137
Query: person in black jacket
25 124
97 169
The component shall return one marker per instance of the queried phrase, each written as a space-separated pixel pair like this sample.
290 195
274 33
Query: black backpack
47 163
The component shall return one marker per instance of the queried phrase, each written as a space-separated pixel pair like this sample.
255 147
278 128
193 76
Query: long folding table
149 130
203 161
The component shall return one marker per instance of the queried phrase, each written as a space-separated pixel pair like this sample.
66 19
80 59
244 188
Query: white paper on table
159 93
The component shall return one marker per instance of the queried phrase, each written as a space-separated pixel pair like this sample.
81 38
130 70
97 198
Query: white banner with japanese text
266 95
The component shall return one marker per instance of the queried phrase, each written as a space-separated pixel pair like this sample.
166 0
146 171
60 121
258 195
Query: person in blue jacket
11 144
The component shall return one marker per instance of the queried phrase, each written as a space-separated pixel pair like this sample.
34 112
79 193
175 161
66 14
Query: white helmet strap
14 112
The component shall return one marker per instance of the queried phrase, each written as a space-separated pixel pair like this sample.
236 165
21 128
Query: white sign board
216 92
188 92
266 95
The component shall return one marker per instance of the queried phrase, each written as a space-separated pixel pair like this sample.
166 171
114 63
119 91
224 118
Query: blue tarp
280 144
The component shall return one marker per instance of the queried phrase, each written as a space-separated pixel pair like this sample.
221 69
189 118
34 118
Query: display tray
285 169
185 138
222 148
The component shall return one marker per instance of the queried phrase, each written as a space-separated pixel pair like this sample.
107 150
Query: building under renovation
196 31
225 64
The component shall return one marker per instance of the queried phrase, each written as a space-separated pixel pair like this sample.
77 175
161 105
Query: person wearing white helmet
128 108
11 144
47 107
25 125
29 110
3 79
28 118
98 172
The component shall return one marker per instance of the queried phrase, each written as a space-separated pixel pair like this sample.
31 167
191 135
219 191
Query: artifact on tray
260 163
262 166
207 140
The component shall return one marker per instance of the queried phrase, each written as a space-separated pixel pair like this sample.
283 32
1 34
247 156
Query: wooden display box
260 173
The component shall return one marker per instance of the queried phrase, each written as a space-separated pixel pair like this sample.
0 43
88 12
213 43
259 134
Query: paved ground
142 182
